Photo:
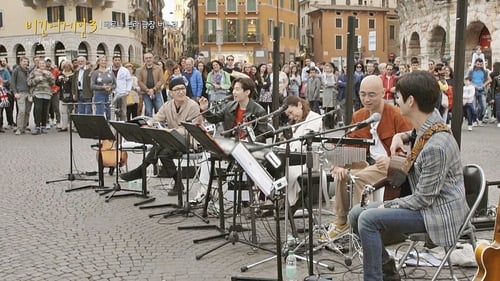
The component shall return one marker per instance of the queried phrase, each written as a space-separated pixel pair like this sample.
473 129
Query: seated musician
180 108
391 122
242 109
437 203
297 111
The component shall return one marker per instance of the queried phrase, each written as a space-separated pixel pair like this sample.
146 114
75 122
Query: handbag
130 99
4 98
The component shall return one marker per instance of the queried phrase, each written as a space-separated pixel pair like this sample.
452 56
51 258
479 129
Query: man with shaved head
391 121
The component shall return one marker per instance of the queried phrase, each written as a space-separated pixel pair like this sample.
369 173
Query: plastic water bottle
291 267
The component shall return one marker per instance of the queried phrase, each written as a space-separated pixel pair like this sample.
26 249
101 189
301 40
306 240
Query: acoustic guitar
108 153
488 256
395 178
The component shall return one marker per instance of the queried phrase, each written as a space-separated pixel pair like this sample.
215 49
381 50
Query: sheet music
251 166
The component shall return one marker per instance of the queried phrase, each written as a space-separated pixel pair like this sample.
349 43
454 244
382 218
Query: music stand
71 176
207 141
173 140
94 127
132 132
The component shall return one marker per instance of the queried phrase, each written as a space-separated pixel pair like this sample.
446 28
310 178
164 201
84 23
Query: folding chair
475 186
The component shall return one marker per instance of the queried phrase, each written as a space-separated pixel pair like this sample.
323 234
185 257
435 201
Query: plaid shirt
437 185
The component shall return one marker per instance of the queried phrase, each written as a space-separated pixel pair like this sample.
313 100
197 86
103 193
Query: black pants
41 111
165 155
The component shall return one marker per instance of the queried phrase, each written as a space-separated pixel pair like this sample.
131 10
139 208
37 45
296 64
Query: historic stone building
428 29
63 29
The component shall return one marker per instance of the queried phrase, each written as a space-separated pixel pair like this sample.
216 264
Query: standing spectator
218 82
247 69
341 86
389 81
468 103
81 86
55 114
65 82
414 64
229 66
370 68
480 79
40 81
193 76
150 79
102 83
330 93
204 73
264 97
295 81
5 75
123 87
358 76
432 66
313 90
495 90
133 95
19 87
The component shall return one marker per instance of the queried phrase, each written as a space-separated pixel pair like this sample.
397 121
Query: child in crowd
468 102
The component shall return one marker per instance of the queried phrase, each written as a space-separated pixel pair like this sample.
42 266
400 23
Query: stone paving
49 234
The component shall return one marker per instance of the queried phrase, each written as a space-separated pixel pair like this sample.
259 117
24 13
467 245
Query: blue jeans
469 113
369 226
481 103
102 106
84 104
157 102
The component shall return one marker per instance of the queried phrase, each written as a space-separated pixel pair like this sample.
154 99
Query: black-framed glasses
179 90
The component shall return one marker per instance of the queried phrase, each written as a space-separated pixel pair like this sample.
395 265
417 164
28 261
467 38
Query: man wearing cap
180 108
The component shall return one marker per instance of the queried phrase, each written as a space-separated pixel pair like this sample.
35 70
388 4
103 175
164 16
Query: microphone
375 117
278 111
226 98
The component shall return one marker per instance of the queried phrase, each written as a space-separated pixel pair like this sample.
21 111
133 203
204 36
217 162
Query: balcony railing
245 38
93 3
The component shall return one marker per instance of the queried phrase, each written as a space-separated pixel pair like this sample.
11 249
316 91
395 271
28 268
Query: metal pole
351 45
459 64
276 72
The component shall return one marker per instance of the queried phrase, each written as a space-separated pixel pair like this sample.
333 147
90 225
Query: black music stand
71 177
132 132
208 142
174 140
94 127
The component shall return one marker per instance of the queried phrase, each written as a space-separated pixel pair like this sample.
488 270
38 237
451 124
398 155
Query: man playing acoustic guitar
437 202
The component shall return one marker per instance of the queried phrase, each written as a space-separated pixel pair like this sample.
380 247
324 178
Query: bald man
371 94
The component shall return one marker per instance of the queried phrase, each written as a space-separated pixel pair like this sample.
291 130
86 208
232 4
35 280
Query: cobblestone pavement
49 234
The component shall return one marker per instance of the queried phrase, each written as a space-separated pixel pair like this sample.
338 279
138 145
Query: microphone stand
309 165
242 125
300 123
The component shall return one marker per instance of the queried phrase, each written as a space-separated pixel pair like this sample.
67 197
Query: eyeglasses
180 90
359 66
230 59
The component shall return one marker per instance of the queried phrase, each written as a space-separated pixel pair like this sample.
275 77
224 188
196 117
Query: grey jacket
19 80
